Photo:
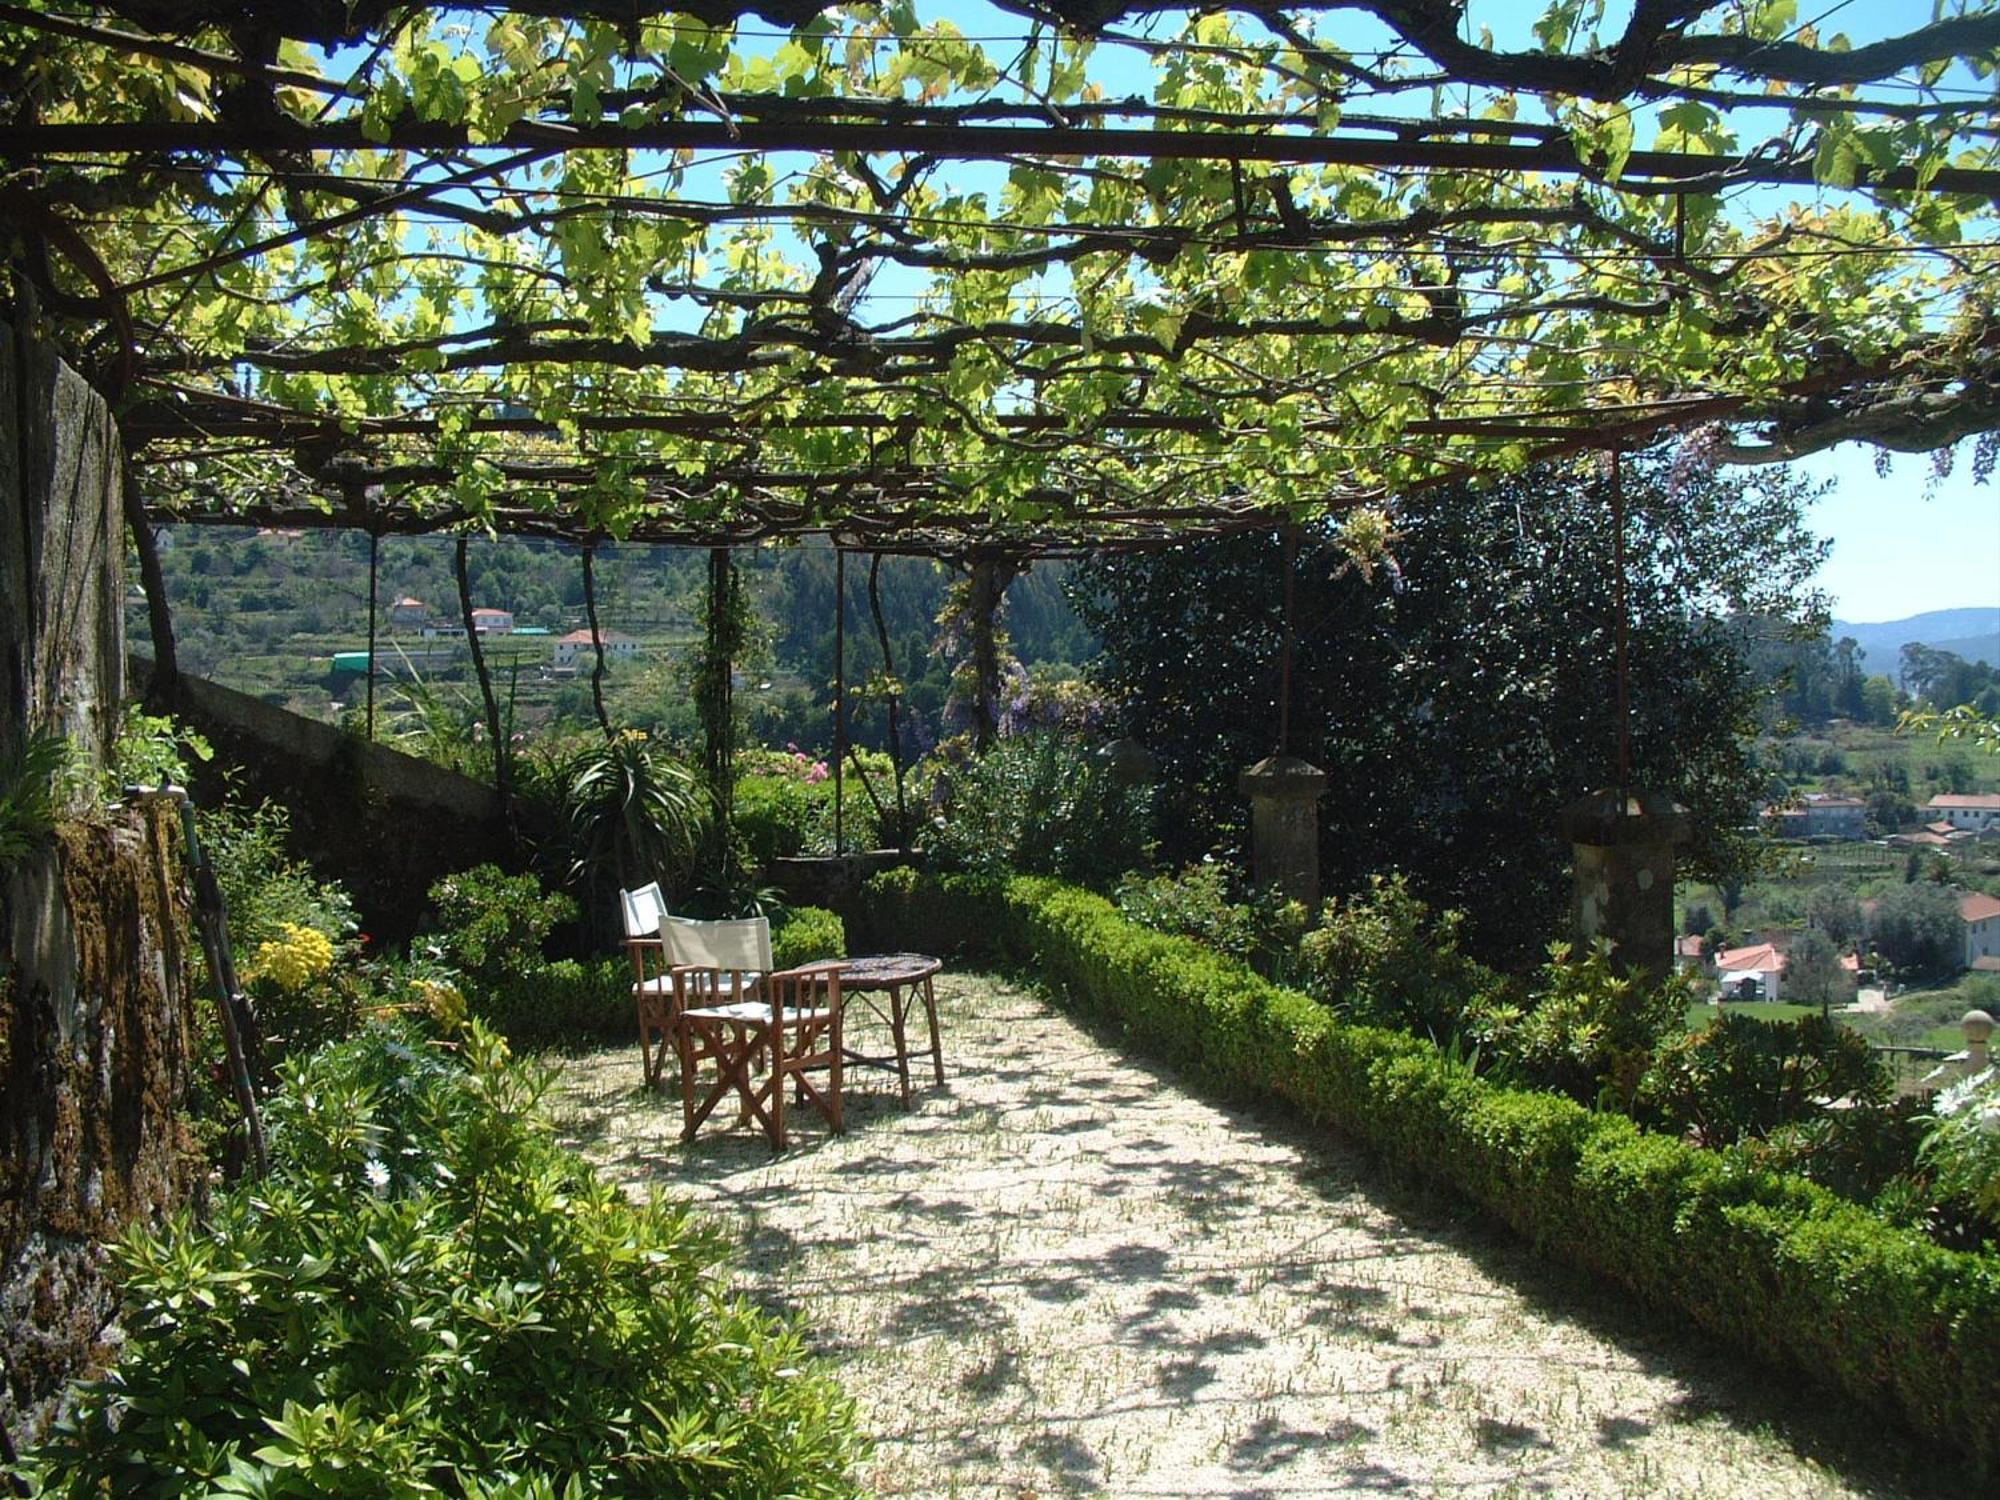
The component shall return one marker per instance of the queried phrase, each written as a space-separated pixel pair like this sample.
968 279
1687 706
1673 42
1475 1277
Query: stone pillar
1978 1029
1624 857
1284 794
95 1030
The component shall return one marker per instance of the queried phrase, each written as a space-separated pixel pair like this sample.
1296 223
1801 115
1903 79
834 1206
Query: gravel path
1061 1274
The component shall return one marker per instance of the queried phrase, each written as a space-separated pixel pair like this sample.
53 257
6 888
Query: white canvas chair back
741 945
644 910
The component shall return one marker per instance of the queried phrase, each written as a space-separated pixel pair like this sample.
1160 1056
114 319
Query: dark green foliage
1381 956
1043 804
491 924
1769 1264
32 792
1459 701
1862 1154
1587 1030
565 1004
1262 930
428 1297
1813 973
1743 1076
1836 911
774 815
262 884
807 934
1917 928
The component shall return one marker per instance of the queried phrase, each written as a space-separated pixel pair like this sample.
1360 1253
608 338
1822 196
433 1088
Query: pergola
1002 281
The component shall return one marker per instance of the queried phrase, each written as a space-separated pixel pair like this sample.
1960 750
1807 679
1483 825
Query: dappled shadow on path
1063 1274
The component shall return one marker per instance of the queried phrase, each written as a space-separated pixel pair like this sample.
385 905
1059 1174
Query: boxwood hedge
1771 1264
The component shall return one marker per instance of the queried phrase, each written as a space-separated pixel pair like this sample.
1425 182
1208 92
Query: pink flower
817 774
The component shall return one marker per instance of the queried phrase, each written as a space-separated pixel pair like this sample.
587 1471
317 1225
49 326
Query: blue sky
1903 545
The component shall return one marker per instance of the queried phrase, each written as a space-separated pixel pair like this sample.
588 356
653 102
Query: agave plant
635 814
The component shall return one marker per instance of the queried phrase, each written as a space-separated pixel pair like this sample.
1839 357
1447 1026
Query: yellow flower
444 1003
294 959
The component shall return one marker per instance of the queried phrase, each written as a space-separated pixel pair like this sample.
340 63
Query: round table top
880 970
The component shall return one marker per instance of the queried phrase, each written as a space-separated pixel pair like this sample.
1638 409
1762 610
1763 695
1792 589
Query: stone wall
95 1047
384 824
94 963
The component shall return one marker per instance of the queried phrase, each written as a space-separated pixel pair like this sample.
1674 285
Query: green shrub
492 924
1963 1144
35 784
152 750
807 933
1765 1262
1587 1030
1263 931
265 888
774 815
1382 957
428 1296
1044 805
1744 1077
565 1004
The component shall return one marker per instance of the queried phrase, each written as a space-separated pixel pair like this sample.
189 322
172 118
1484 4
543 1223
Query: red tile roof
1977 908
1762 956
1990 801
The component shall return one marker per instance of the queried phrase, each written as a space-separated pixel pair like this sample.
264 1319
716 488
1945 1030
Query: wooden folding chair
644 912
730 1009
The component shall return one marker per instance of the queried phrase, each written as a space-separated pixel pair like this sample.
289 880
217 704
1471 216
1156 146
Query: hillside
1971 633
268 613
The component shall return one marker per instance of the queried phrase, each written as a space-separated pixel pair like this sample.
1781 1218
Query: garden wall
383 823
94 966
1771 1265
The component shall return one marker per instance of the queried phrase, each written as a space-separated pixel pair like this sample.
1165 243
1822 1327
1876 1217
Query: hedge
1770 1263
589 1004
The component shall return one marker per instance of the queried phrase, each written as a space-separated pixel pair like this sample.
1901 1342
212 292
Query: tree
1460 696
1917 928
1835 911
1813 975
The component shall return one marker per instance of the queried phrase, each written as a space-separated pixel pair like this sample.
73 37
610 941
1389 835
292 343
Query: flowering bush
1963 1148
294 958
428 1296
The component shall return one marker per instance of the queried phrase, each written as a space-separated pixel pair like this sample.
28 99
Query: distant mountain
1971 633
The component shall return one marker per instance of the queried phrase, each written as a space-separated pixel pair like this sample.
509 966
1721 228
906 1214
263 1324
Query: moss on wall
95 1048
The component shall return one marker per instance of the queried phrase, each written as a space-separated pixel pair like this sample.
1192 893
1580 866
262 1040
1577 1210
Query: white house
576 648
1981 916
1978 814
493 621
1823 815
1750 973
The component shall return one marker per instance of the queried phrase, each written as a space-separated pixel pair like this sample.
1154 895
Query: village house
409 611
576 648
493 621
1981 916
1973 814
1750 973
1822 815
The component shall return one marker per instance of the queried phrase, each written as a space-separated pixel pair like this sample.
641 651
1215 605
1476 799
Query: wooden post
894 687
596 640
374 554
464 575
839 700
719 711
164 690
990 577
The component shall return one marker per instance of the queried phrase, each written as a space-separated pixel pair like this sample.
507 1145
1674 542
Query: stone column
1284 794
1624 855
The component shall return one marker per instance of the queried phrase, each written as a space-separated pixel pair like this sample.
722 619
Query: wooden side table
904 979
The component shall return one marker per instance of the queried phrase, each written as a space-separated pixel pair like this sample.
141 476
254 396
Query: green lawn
1700 1013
